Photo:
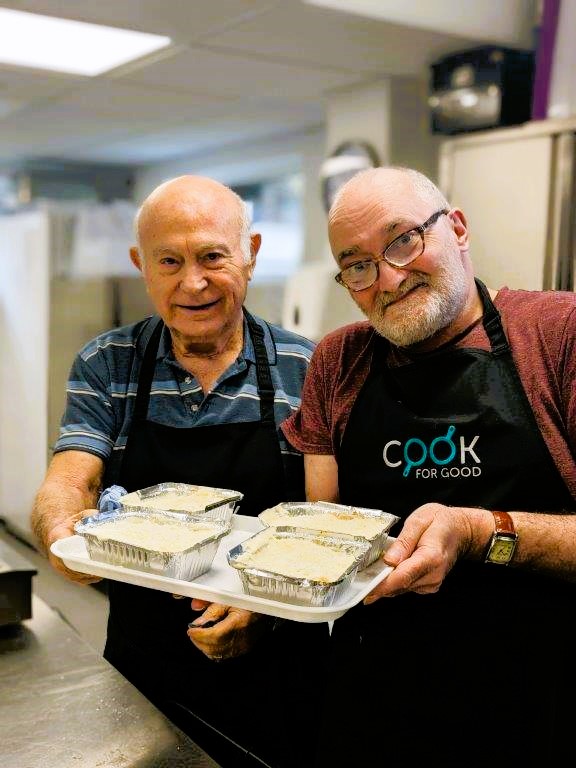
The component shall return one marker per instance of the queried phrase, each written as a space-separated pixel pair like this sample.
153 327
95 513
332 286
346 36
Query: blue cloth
103 382
109 500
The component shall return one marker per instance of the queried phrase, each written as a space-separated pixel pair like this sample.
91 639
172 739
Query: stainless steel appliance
15 587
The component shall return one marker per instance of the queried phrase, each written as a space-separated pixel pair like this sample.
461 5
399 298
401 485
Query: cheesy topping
154 533
355 525
166 500
299 558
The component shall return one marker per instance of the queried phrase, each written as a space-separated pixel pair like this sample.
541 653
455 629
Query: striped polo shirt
101 390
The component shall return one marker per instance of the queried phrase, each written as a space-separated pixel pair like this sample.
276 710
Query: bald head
388 182
191 196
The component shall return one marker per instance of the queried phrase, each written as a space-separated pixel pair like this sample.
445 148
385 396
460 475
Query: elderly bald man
194 394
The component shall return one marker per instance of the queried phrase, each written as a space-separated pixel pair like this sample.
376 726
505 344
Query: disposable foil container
297 512
221 509
186 565
298 591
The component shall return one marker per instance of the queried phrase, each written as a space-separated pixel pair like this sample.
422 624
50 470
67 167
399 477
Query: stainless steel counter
63 706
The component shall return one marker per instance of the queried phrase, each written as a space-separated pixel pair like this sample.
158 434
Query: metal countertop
63 706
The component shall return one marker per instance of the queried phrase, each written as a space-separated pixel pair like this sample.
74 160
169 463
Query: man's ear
255 243
460 228
135 258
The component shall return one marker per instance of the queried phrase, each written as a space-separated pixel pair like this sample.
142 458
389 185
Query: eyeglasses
403 250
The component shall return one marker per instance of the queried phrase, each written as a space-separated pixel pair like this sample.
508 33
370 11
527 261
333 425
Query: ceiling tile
314 36
238 75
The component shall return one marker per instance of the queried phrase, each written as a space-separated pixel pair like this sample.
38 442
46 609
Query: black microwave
480 88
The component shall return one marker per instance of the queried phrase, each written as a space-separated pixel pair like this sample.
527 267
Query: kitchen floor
85 608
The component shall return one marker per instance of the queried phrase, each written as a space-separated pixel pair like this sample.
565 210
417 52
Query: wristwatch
504 539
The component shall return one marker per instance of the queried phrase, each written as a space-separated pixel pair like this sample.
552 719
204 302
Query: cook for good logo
449 455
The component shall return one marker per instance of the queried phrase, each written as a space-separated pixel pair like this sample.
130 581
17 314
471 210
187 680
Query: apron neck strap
492 322
148 342
263 375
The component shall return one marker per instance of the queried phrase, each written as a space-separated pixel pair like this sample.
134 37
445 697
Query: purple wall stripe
544 58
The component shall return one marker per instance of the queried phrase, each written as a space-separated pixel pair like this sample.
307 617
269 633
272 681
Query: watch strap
504 523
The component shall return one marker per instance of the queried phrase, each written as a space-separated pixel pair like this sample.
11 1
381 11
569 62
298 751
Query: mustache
413 280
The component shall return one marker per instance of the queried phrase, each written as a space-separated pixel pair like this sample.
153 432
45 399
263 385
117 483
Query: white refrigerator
47 313
516 187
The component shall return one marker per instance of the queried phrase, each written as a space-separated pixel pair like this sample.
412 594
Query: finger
76 576
409 575
199 605
212 615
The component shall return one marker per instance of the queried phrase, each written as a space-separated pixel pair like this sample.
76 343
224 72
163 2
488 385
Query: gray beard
426 314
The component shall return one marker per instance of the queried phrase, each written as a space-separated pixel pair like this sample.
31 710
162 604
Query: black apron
478 673
241 699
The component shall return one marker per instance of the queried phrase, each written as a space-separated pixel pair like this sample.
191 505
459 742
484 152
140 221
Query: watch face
501 550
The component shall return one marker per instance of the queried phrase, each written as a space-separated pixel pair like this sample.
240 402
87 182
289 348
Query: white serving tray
221 584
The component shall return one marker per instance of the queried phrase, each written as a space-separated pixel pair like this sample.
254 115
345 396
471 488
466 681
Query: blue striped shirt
101 390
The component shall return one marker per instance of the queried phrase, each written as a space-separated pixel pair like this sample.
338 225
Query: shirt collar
165 345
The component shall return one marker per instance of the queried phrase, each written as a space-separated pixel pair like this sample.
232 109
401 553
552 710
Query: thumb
402 547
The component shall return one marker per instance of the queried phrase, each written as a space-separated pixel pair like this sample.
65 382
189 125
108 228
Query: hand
432 539
61 531
233 634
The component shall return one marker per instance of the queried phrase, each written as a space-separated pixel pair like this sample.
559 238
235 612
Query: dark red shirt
541 329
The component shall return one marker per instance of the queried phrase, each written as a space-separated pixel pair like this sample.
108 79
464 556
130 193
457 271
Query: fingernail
368 600
193 625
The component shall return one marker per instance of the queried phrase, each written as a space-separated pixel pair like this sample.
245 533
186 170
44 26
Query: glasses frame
420 230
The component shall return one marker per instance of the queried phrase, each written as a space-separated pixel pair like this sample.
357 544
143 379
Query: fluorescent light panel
62 45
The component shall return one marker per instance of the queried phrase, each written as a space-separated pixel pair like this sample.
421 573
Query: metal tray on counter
222 583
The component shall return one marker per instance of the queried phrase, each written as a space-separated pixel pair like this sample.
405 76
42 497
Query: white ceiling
238 70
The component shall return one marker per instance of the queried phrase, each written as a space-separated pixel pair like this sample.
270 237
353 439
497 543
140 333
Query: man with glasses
453 407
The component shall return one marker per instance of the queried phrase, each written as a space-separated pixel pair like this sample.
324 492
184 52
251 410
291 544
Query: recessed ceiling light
62 45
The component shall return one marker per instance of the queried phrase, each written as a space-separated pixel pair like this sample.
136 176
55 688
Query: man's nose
390 278
193 277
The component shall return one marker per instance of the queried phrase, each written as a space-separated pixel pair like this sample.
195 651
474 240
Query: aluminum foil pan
214 503
186 564
297 512
297 590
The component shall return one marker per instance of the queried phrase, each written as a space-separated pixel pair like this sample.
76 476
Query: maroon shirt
541 330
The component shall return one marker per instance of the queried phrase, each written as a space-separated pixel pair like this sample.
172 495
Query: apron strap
150 329
492 322
263 375
148 342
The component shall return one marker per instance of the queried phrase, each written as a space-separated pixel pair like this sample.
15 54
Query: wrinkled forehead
368 219
190 215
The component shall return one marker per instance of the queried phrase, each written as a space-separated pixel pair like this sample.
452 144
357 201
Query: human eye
404 239
358 268
213 259
168 261
402 243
